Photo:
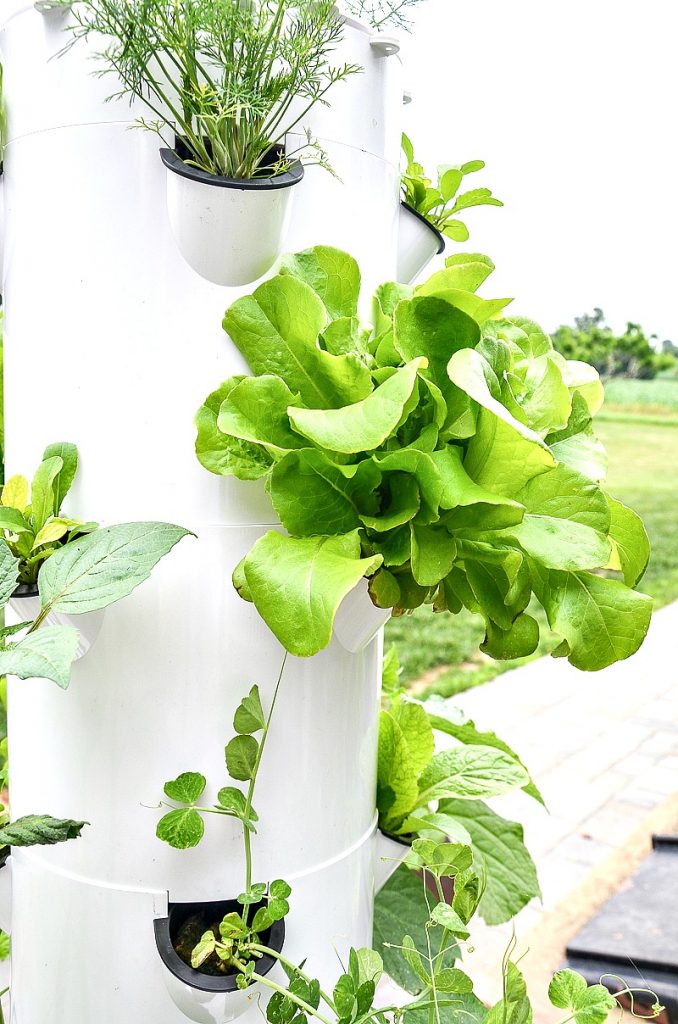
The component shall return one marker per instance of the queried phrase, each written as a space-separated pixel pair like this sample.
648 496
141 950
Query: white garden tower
113 342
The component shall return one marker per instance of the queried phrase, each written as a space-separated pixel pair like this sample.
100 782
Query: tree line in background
632 354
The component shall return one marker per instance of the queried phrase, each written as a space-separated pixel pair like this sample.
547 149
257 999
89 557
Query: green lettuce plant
31 523
439 202
231 79
446 453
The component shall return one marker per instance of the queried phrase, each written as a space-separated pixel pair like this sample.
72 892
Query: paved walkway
603 749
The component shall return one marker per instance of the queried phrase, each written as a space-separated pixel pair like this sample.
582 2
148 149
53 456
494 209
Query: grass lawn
644 397
440 653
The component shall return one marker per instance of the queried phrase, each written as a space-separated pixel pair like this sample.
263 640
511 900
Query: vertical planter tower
112 341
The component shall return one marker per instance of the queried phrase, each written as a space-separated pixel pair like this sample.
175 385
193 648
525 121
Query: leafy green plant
444 453
231 79
422 793
90 573
234 944
31 522
440 202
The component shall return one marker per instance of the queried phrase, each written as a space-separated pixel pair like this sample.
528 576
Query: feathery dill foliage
230 77
383 13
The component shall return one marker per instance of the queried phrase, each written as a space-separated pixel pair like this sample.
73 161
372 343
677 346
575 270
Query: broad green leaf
249 716
12 520
401 500
520 640
332 274
515 1007
470 772
453 981
499 459
276 329
511 874
46 654
397 788
546 404
182 829
390 675
222 453
601 620
563 493
365 425
53 530
631 542
15 493
333 495
460 491
255 410
40 830
468 270
468 370
104 566
588 1004
297 585
433 554
561 543
475 197
241 757
61 485
5 946
464 1008
585 381
347 336
187 788
42 493
417 730
576 446
369 965
441 286
9 573
433 328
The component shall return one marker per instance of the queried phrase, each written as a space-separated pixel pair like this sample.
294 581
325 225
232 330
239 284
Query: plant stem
297 970
306 1007
253 781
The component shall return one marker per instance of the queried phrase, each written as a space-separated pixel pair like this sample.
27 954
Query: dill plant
231 78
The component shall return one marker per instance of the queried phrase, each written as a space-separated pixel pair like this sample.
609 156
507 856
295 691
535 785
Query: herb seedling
439 203
231 79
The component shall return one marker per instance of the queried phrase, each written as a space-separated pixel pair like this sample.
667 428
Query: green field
440 654
643 397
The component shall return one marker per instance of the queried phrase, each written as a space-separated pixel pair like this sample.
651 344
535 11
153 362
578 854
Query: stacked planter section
112 342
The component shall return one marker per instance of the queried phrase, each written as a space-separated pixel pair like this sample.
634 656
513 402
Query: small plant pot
205 998
25 603
358 620
230 231
418 243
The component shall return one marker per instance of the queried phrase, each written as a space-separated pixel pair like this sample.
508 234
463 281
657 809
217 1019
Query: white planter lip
165 927
287 179
432 229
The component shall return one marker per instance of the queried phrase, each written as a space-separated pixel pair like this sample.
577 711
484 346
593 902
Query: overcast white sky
573 108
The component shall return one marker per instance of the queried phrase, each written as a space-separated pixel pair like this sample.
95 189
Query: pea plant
235 944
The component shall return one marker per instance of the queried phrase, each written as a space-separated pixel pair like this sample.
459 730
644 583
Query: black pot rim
174 163
26 590
402 840
420 216
195 979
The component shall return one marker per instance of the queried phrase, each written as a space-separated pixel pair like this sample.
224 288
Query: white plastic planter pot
25 603
229 231
358 620
418 243
204 998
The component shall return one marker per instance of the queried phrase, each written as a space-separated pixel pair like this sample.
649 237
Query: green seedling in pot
31 520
